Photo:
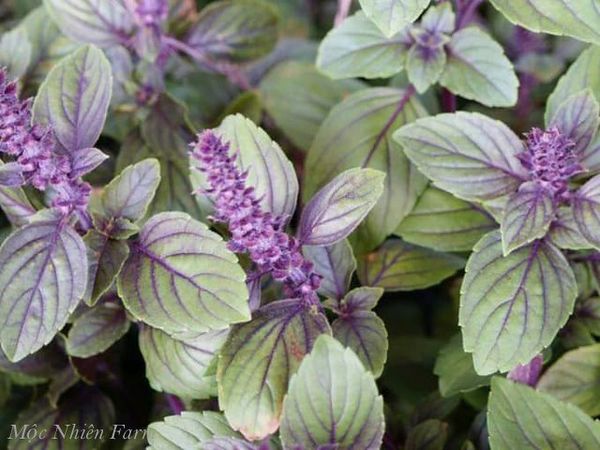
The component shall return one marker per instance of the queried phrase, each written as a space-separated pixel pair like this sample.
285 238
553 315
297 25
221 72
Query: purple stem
175 404
232 72
465 10
342 11
448 101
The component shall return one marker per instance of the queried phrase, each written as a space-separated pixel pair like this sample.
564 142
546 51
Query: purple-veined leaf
454 368
565 233
357 48
97 329
360 329
181 278
44 364
586 210
228 443
336 264
298 98
332 399
238 30
74 98
61 383
431 434
258 360
466 154
11 175
43 276
101 22
559 17
520 417
16 205
85 160
439 18
188 430
391 16
270 173
578 118
398 266
445 223
575 378
340 206
129 194
527 216
512 307
478 69
105 260
424 68
357 133
83 408
181 367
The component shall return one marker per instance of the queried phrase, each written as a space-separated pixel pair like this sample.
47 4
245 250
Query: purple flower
550 159
34 150
253 231
529 373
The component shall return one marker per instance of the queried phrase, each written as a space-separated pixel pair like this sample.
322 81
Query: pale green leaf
336 264
15 52
512 307
357 48
392 16
575 378
423 72
258 360
521 418
478 69
332 399
180 367
398 266
445 223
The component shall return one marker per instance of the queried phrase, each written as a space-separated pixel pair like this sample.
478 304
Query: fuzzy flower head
34 151
529 373
550 159
253 231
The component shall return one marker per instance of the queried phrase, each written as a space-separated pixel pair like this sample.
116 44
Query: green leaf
527 216
336 264
332 399
455 370
357 133
270 172
357 48
16 205
129 194
565 233
582 74
512 307
258 360
428 435
361 330
188 430
238 30
586 206
298 98
100 22
392 16
559 17
43 276
445 223
575 378
398 266
97 329
180 367
466 154
478 69
521 418
180 277
74 98
424 70
340 206
105 260
15 52
83 409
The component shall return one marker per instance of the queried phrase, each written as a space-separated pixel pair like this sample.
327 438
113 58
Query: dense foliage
300 225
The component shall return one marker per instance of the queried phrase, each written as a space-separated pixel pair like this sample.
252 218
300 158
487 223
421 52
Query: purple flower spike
551 160
34 150
253 231
529 373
